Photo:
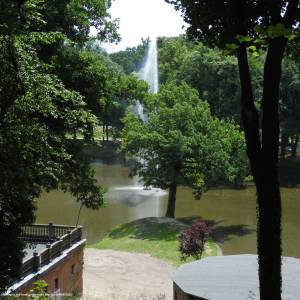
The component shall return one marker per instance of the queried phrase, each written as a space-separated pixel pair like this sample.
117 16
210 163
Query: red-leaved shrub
193 239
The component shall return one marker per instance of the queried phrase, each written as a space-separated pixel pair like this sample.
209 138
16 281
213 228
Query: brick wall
66 274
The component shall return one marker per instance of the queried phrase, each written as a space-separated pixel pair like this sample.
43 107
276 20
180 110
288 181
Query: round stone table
232 277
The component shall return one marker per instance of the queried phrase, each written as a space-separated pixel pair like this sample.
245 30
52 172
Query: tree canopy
131 59
105 88
208 70
215 75
183 144
37 112
289 108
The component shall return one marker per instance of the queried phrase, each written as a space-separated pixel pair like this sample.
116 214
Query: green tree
209 70
172 56
290 106
36 114
105 88
131 59
253 25
75 18
216 77
183 144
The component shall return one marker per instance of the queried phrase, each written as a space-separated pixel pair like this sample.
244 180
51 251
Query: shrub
193 239
39 291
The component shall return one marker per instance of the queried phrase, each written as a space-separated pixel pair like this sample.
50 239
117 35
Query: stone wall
179 294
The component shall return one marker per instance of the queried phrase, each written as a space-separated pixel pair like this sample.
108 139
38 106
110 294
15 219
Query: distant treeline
215 75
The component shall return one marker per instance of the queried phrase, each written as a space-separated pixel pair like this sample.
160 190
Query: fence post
79 228
60 246
51 231
36 261
48 246
69 237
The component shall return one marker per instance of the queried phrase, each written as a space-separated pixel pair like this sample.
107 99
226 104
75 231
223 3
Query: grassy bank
155 236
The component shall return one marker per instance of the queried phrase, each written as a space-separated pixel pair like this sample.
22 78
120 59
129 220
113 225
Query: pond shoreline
232 212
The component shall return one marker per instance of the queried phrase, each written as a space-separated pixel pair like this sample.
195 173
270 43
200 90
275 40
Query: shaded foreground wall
179 294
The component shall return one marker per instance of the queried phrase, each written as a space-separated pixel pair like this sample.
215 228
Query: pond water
232 211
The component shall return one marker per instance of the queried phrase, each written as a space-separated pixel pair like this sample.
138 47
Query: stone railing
57 238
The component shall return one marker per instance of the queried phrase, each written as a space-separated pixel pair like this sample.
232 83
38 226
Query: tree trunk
171 201
284 144
74 134
263 156
269 199
103 132
295 145
106 130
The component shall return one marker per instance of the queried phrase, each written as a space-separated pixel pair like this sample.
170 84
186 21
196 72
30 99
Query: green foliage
173 54
75 18
258 41
289 97
215 21
39 292
38 113
210 71
215 76
131 59
105 88
183 144
89 73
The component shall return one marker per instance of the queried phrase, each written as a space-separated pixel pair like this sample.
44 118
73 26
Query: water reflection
233 212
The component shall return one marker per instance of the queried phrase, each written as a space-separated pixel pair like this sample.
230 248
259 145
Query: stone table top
234 277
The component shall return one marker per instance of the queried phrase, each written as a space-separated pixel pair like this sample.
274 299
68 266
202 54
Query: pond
233 212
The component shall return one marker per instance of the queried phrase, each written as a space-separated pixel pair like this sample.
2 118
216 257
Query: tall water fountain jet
149 73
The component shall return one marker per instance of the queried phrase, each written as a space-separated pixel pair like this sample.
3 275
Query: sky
142 19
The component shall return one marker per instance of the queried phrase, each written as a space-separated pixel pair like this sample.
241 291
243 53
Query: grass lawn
155 236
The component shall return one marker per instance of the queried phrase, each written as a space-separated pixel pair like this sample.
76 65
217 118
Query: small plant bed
155 236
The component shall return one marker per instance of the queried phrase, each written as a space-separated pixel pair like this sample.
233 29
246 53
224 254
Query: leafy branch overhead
261 37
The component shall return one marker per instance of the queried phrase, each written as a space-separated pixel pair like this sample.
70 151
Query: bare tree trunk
106 130
269 199
284 144
171 201
74 134
264 164
103 132
263 157
295 145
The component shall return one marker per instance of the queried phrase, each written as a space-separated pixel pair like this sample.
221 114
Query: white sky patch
144 18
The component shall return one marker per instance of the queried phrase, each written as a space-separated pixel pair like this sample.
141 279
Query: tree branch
249 112
275 11
291 12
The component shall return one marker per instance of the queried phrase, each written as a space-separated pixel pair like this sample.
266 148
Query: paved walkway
119 275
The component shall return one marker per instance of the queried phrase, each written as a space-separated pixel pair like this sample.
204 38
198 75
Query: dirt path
118 275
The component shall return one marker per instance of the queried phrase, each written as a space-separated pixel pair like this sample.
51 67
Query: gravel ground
110 274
